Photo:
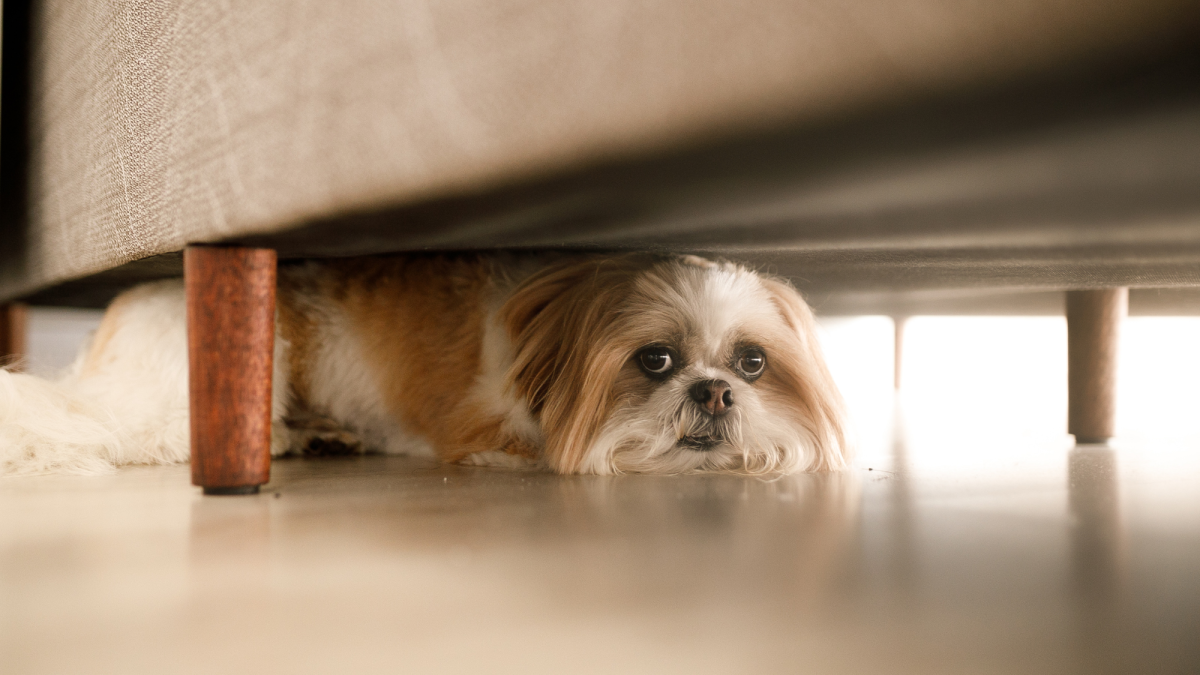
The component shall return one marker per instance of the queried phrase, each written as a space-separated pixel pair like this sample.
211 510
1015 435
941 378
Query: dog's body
599 364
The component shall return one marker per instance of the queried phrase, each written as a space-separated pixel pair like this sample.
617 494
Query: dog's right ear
561 322
536 318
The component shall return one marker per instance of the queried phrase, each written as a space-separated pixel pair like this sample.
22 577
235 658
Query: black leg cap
235 490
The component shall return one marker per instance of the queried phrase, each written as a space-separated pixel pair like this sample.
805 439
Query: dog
589 364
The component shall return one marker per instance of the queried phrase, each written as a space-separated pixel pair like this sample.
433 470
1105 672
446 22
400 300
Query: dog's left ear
802 371
568 351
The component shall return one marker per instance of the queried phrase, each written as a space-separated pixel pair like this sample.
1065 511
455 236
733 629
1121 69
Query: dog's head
651 364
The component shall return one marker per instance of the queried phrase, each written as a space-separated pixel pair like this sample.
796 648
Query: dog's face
671 365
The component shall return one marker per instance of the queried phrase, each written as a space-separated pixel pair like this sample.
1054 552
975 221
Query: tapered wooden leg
231 341
12 334
1093 330
898 345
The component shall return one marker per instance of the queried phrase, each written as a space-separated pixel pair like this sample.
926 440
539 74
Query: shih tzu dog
593 364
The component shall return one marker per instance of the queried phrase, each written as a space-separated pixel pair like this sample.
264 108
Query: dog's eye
752 362
656 360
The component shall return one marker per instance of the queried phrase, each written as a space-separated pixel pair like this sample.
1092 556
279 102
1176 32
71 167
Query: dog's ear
800 377
568 351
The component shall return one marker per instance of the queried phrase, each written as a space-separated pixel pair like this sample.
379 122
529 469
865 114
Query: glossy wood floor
1003 551
1085 560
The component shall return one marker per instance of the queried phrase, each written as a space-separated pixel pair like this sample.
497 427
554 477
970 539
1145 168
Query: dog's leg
314 435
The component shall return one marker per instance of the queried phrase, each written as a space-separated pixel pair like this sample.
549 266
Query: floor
971 538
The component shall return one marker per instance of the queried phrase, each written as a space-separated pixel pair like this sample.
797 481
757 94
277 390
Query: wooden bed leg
898 323
13 333
231 345
1093 331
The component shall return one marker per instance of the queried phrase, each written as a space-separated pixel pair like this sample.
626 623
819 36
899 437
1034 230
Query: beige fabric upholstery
159 123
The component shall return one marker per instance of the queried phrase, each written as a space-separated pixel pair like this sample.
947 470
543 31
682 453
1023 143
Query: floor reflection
1097 554
648 541
1028 560
902 560
229 545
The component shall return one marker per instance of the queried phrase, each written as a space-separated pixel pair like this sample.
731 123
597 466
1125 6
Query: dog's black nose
714 396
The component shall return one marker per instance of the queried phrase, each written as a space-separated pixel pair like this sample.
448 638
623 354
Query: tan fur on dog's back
427 368
420 327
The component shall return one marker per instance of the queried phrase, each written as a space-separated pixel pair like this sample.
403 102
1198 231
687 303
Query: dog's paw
499 459
321 437
331 445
